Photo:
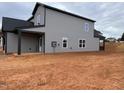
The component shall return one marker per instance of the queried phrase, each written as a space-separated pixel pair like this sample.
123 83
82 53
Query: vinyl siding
28 42
59 25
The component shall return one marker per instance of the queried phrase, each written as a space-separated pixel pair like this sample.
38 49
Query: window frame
86 27
83 43
38 19
65 38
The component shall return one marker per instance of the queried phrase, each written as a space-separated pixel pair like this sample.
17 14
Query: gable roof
10 24
56 9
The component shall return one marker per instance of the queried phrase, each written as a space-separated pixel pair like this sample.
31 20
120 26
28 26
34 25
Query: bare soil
86 70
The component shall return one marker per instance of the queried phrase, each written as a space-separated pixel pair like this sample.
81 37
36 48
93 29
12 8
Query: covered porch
30 41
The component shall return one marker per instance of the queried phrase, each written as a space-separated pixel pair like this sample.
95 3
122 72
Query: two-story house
49 30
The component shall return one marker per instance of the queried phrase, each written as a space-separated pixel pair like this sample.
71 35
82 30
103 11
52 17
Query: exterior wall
12 42
29 43
40 11
59 25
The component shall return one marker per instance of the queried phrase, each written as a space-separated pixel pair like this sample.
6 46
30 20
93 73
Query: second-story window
38 20
86 27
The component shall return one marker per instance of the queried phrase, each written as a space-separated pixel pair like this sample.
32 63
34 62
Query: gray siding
59 25
40 11
28 42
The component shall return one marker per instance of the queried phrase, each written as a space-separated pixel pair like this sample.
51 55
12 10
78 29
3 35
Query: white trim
65 38
86 27
82 43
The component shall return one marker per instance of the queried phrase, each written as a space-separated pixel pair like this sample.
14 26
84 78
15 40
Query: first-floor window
82 43
65 42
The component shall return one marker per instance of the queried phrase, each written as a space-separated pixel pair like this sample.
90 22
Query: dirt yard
96 70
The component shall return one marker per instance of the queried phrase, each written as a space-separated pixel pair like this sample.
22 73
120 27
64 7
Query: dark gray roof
56 9
98 34
30 18
10 24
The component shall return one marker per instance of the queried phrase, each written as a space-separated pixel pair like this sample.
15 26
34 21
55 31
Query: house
99 35
122 38
49 30
111 39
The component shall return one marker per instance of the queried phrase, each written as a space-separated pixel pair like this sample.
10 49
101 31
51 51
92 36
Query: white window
38 20
64 42
86 27
82 43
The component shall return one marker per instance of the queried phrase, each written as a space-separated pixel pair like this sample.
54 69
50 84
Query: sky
109 17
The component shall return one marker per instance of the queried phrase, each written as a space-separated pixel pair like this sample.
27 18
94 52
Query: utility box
54 44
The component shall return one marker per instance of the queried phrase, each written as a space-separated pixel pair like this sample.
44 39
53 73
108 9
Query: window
38 20
82 43
86 27
65 42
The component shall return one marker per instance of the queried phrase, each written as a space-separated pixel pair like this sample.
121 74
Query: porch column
5 45
104 44
43 43
19 42
3 36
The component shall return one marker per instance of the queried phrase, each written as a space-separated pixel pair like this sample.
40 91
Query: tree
122 38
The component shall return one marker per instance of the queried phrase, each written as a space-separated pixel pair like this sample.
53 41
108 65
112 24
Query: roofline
98 31
59 10
30 18
14 18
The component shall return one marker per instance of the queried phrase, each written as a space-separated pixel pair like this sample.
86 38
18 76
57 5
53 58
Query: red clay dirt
93 70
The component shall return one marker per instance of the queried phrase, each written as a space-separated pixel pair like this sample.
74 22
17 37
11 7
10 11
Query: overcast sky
109 17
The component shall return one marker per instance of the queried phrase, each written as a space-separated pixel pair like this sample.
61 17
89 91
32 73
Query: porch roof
33 30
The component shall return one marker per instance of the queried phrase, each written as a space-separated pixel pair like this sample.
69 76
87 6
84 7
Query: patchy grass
91 70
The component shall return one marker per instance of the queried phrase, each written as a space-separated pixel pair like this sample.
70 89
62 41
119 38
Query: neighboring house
111 39
122 38
99 35
49 30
